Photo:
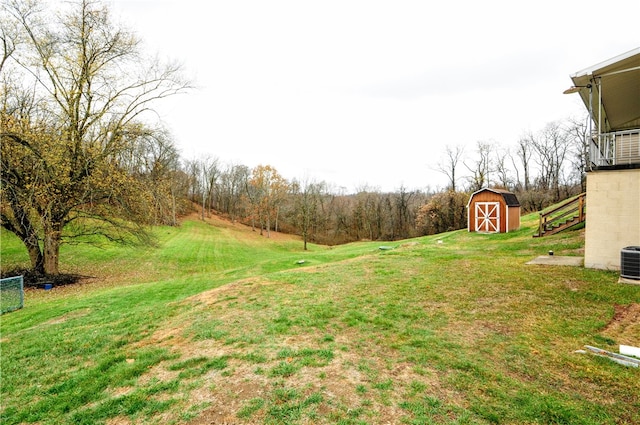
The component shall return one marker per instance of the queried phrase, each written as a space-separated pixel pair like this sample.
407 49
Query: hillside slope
220 325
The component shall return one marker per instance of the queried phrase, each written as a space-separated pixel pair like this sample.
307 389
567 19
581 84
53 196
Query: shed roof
509 198
617 80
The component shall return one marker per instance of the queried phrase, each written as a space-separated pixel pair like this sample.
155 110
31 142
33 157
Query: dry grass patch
289 356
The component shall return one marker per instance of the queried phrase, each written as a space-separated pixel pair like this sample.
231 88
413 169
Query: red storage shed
493 211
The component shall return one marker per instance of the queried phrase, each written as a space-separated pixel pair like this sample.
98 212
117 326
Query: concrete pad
628 281
557 260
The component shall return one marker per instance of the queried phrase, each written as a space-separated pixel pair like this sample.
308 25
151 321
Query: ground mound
624 327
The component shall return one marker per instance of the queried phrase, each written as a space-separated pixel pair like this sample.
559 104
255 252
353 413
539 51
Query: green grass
222 324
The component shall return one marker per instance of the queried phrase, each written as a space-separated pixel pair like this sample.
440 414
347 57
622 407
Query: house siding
613 216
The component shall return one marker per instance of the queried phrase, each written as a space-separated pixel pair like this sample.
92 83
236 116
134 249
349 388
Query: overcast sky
368 92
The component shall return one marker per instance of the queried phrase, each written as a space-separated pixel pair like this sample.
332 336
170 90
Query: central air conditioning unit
630 262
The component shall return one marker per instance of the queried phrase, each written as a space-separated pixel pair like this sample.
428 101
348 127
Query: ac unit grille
630 262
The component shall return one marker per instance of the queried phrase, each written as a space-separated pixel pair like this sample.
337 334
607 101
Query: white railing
618 148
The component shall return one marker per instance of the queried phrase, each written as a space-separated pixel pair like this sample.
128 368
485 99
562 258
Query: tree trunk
204 200
24 230
305 228
35 255
174 222
268 226
51 250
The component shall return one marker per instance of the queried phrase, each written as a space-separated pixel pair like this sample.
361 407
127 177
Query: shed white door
488 217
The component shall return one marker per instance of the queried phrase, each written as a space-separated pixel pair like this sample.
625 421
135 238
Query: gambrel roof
510 198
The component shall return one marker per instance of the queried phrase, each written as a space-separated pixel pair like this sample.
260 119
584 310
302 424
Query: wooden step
563 216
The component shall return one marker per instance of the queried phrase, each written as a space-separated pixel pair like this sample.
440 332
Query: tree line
82 157
541 168
263 199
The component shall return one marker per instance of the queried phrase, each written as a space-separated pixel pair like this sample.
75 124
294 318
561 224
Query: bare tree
91 89
154 160
191 168
206 172
402 213
449 165
338 215
579 140
502 171
232 190
213 172
307 195
367 214
524 152
551 147
9 38
481 168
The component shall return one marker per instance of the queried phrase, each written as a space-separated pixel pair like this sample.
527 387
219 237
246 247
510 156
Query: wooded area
83 157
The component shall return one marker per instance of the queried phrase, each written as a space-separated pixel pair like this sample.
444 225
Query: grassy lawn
220 325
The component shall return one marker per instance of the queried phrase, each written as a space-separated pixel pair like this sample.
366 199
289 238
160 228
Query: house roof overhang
617 83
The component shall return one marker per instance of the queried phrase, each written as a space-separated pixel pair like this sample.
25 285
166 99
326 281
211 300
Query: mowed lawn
219 325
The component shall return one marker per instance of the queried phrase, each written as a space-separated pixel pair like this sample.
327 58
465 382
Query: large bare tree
76 92
154 160
523 152
449 165
481 167
232 190
579 141
551 147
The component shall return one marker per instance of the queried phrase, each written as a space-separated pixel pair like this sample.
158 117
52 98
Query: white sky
370 92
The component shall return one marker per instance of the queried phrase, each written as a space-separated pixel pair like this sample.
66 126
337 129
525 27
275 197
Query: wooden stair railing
563 216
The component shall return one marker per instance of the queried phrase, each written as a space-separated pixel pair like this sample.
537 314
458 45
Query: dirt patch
72 315
337 382
624 327
574 285
226 400
118 420
226 223
361 378
215 295
347 381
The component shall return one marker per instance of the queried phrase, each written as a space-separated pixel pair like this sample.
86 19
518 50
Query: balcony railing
621 148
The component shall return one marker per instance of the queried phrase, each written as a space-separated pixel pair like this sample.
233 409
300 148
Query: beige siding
613 216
